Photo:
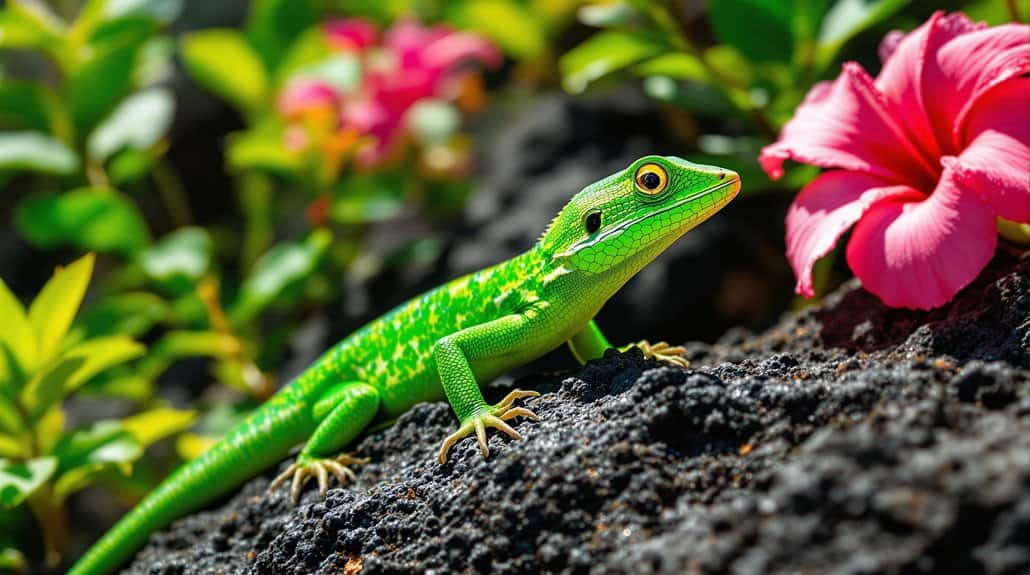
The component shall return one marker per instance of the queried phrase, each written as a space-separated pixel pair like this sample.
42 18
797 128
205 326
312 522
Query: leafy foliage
45 362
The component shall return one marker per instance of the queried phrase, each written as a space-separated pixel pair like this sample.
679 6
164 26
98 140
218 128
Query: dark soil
849 438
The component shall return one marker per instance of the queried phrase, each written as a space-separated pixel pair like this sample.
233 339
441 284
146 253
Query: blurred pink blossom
412 63
921 160
305 95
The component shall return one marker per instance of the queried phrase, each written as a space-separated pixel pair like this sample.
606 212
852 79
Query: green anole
446 342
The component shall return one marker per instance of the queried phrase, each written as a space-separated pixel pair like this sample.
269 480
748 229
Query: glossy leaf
75 367
53 310
17 337
846 18
284 265
261 148
222 61
515 27
156 424
759 29
181 257
608 52
36 152
678 65
131 314
97 219
30 25
96 86
85 453
26 105
19 480
139 122
161 10
273 25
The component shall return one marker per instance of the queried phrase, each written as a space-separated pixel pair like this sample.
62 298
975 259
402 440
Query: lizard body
445 342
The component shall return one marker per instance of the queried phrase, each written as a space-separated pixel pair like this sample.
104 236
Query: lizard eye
651 179
592 222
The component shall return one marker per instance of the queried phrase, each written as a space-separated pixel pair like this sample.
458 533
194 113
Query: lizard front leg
343 412
590 343
452 354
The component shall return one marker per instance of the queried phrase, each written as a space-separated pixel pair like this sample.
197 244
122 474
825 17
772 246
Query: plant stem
52 521
173 194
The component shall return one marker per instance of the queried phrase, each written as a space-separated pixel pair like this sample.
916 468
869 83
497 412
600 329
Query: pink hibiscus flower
921 160
412 64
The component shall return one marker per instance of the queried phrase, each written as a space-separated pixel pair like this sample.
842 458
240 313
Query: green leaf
164 11
273 25
88 218
11 446
759 29
85 453
222 61
181 257
261 148
74 368
371 197
281 267
514 26
12 561
607 14
847 18
139 122
52 311
151 426
131 314
20 480
608 52
31 25
27 105
678 65
96 85
17 336
36 152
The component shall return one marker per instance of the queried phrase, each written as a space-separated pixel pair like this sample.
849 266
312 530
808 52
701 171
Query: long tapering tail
263 440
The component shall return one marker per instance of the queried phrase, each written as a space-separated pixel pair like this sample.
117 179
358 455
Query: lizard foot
305 468
662 352
491 416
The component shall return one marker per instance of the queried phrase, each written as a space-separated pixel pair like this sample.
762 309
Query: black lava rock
849 438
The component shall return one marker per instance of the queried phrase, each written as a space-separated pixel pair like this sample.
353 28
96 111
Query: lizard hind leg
343 413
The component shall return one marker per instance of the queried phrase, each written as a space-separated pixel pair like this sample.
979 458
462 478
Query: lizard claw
303 469
662 352
493 416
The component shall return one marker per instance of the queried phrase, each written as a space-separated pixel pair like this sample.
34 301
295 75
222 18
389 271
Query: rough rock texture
849 438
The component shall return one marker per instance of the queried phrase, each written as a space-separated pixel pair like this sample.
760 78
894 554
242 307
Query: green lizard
448 340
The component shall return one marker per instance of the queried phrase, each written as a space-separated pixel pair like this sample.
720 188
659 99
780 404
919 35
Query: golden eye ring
651 179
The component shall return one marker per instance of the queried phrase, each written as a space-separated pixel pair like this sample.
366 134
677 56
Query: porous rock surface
849 438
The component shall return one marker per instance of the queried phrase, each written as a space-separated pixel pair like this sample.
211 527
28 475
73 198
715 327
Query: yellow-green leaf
76 367
222 61
20 480
17 336
608 52
10 446
156 424
54 308
191 445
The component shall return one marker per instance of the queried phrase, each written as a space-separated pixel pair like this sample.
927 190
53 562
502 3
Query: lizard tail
245 452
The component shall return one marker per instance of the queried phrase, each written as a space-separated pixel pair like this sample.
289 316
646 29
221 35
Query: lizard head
623 221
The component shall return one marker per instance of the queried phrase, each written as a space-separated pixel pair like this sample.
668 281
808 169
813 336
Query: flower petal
965 69
823 211
845 124
304 95
901 80
996 161
919 254
350 33
454 49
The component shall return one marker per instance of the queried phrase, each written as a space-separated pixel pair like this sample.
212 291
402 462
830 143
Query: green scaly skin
447 341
